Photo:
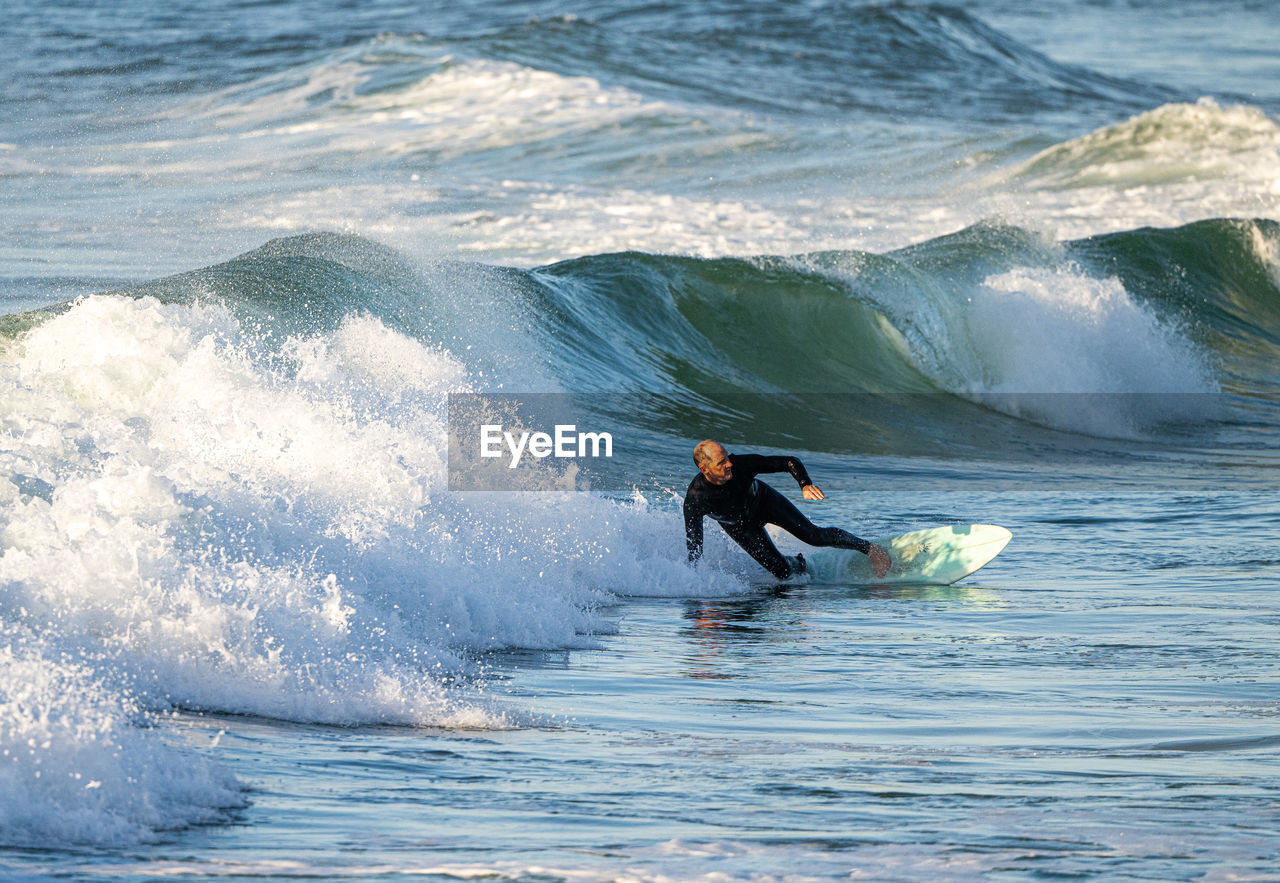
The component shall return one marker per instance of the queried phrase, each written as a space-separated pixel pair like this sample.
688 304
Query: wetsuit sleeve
693 528
756 464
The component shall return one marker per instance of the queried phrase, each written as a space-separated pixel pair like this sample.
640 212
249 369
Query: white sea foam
1054 344
433 153
80 764
1172 165
1170 144
457 108
1267 250
272 532
1062 331
574 221
1094 359
211 524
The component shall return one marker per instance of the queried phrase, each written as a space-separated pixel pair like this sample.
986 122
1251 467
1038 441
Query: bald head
707 451
713 461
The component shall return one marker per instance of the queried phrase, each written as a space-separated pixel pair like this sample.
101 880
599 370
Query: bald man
727 490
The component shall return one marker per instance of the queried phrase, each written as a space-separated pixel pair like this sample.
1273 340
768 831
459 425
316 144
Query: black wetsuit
743 506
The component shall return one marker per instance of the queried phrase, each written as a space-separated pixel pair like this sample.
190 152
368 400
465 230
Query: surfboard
938 556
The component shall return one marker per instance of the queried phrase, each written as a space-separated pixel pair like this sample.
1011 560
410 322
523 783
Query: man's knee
808 532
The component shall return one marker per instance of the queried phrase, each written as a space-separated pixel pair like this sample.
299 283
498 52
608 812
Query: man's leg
757 544
774 508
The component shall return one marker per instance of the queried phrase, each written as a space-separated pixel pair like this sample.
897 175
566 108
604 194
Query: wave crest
1171 144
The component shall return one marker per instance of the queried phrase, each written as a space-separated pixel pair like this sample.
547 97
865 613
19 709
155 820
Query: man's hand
879 559
812 492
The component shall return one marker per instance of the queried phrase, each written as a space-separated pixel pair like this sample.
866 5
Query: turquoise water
979 262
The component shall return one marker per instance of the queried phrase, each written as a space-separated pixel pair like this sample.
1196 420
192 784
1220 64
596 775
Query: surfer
727 490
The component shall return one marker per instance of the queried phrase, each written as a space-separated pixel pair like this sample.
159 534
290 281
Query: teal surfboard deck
938 556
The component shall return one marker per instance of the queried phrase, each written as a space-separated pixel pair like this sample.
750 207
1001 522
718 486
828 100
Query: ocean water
982 261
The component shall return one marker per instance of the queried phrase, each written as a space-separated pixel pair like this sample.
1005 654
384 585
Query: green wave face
945 344
956 338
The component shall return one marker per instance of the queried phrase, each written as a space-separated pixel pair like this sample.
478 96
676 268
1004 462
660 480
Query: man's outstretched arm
692 531
758 463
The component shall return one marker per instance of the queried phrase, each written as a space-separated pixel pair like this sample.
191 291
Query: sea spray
195 516
1006 318
82 763
1124 371
268 530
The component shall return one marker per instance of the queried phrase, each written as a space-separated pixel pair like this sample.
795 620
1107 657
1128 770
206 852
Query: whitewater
977 262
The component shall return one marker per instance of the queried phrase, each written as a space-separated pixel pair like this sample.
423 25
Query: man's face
719 468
